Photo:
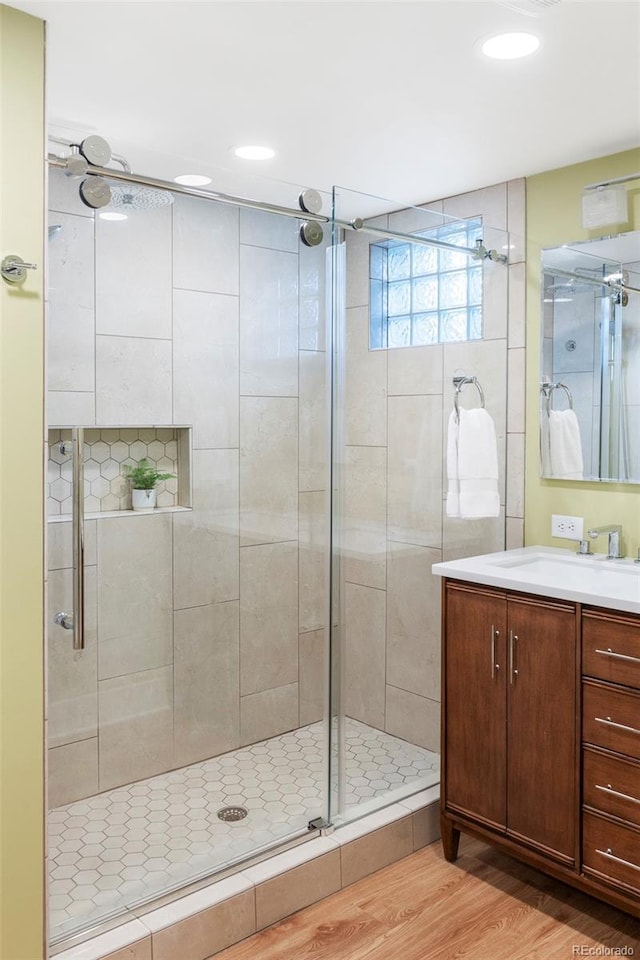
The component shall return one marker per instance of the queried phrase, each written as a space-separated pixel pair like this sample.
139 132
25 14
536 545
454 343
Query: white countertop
553 572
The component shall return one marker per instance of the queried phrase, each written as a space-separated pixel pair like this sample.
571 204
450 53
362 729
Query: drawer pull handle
618 656
609 855
616 793
618 726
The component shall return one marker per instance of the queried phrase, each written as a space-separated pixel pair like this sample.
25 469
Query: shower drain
232 813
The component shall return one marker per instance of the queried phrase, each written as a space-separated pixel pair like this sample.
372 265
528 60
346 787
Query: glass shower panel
397 350
190 733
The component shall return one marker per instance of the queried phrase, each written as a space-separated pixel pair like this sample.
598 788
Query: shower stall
258 656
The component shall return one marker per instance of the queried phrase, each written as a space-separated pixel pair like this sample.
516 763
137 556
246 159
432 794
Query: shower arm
479 252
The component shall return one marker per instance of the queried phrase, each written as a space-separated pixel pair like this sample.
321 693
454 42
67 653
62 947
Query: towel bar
459 383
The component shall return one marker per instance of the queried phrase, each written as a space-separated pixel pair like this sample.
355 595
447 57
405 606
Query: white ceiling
389 98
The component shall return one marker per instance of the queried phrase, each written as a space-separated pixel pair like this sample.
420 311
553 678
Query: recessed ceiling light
510 46
254 152
192 180
109 215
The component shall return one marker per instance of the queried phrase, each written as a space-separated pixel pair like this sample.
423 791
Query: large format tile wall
398 403
204 628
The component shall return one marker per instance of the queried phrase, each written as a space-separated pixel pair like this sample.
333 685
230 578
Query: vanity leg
450 839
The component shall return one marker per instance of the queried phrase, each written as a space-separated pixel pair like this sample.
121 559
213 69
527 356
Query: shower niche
107 451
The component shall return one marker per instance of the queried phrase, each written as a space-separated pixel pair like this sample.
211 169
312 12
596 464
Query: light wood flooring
486 906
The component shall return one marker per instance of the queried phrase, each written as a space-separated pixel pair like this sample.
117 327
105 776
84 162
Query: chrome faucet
615 539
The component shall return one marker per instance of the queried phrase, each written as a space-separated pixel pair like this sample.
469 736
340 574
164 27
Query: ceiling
388 98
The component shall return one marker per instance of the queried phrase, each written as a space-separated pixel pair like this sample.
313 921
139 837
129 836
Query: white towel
472 465
565 447
545 452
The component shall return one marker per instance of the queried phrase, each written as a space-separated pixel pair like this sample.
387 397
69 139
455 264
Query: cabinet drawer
612 785
611 850
611 718
611 648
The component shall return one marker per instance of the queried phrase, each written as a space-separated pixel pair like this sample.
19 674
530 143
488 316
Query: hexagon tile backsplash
106 452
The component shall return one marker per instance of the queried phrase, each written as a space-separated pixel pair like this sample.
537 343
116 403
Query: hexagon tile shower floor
142 839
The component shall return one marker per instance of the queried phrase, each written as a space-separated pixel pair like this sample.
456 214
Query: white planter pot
144 499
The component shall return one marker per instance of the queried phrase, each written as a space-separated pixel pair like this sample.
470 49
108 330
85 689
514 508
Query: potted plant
144 477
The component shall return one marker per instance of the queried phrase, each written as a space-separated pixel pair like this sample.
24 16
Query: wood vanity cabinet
541 735
510 717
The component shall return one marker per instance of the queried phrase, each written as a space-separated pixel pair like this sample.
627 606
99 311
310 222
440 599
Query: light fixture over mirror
590 360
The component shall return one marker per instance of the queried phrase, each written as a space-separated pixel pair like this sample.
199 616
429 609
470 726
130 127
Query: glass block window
421 295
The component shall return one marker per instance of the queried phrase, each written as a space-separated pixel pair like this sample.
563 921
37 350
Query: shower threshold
140 841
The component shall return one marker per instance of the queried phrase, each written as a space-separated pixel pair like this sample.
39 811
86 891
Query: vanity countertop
553 572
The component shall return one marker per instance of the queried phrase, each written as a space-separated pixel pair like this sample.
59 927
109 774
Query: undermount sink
554 572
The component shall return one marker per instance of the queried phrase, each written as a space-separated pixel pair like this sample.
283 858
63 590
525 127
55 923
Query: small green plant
144 476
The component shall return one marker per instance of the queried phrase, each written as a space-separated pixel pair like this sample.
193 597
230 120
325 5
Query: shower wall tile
268 469
312 676
413 620
312 561
415 470
205 246
268 713
357 269
206 676
135 609
71 674
205 542
415 370
515 475
133 274
413 718
205 367
365 516
517 305
516 219
136 726
495 299
490 203
268 617
259 228
59 544
72 772
516 394
410 220
314 435
515 533
364 654
470 538
365 384
70 408
70 312
313 265
268 322
133 381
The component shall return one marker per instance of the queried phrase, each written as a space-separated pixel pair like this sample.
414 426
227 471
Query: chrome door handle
495 635
513 673
13 269
75 621
618 656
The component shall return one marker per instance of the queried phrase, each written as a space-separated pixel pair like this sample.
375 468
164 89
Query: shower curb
201 924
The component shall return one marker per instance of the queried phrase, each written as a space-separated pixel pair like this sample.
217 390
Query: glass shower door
189 733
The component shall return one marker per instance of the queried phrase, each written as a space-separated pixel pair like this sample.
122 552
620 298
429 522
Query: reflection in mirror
590 360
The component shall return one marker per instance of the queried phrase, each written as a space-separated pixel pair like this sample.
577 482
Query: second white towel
472 465
565 447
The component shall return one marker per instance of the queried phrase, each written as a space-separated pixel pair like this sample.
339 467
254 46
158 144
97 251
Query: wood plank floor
486 906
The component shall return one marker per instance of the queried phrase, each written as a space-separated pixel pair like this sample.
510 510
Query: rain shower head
132 197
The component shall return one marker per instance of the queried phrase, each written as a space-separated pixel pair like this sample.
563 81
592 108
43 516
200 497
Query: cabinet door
541 734
475 705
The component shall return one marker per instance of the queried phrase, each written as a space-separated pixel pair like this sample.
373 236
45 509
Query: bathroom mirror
590 360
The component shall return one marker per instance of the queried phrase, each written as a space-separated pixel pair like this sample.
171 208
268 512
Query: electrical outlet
570 528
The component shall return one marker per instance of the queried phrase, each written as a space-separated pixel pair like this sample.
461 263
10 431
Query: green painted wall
553 218
21 487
